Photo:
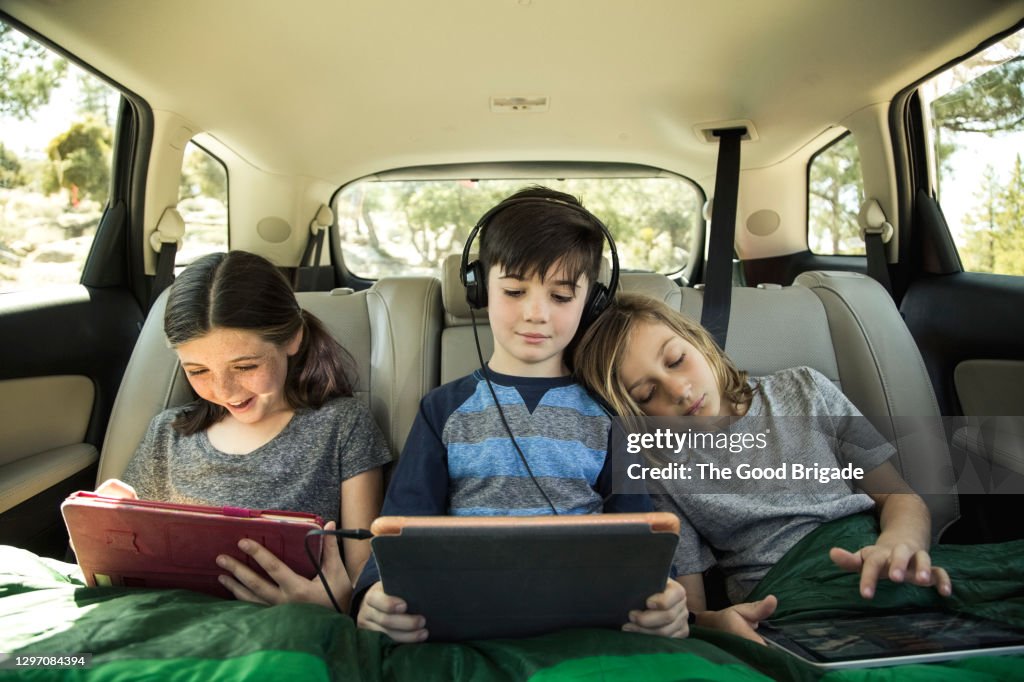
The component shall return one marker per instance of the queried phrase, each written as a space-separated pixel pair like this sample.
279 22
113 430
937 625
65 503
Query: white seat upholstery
458 352
392 331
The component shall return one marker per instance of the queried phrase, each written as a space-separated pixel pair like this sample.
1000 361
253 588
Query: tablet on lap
883 639
141 543
485 577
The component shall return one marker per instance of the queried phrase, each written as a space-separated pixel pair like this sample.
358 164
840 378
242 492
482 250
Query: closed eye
513 293
677 362
195 372
562 298
245 368
647 398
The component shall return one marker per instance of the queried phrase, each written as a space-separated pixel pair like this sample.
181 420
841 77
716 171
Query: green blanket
179 635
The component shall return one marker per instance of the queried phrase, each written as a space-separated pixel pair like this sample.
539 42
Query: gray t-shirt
300 469
746 534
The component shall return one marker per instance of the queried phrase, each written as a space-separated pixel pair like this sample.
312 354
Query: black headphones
473 278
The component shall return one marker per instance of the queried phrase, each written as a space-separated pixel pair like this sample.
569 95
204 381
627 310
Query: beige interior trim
990 388
29 476
40 414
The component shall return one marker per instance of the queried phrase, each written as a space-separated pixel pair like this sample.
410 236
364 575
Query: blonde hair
603 346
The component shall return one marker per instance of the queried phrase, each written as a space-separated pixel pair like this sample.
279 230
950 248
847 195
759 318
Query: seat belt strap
876 231
165 240
877 267
306 278
718 278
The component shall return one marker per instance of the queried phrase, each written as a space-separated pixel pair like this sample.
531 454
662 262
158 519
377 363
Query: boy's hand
286 585
665 615
113 487
741 619
899 562
384 613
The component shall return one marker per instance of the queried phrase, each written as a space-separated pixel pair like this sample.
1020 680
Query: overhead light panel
519 104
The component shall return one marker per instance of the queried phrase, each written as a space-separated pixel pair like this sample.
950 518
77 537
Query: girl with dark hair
274 425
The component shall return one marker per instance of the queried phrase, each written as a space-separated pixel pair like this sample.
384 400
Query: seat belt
306 278
714 314
876 232
165 240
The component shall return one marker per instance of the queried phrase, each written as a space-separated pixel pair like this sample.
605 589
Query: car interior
357 144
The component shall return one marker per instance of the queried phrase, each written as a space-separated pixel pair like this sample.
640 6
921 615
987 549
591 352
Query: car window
977 128
396 227
203 205
835 192
56 137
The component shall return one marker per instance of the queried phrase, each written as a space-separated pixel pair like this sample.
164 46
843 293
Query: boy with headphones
518 436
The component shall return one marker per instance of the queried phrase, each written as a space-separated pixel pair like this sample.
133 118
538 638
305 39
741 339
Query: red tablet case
141 543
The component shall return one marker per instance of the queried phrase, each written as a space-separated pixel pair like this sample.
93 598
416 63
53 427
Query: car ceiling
338 89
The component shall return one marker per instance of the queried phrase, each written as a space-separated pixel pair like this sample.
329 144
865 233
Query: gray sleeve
147 469
858 442
363 447
692 554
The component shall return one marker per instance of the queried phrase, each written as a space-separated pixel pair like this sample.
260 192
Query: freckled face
667 376
240 371
533 321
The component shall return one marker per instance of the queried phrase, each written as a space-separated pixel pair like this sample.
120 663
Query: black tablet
873 640
486 577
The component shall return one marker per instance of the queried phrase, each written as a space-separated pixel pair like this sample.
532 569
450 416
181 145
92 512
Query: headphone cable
501 413
356 534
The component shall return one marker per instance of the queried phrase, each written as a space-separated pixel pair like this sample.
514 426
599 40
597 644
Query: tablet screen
877 639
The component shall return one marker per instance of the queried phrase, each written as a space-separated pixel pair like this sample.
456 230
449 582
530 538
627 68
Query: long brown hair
603 346
240 290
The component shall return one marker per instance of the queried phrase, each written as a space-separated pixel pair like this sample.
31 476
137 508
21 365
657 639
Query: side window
56 136
203 204
835 186
977 125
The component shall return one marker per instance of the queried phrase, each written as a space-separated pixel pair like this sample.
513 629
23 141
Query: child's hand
384 613
286 585
665 615
898 563
113 487
741 619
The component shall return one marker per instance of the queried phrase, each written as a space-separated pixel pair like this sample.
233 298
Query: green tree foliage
396 224
440 215
10 169
202 175
836 188
81 159
995 237
94 99
28 73
989 104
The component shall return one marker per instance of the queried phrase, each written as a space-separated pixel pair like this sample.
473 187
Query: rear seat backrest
391 330
458 352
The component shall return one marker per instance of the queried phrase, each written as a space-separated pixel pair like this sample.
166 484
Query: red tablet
141 543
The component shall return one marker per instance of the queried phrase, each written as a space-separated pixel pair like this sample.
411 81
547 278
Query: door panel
971 335
37 451
64 349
